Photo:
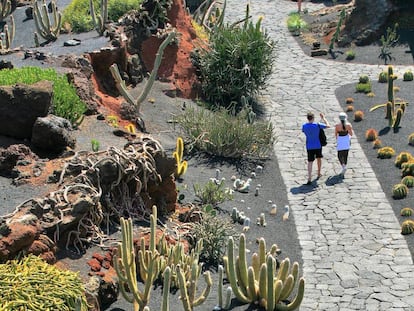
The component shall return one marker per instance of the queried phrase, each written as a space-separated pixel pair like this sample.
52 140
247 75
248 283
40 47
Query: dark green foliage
66 103
238 62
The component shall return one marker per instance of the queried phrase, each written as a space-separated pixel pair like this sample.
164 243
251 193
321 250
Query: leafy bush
223 134
212 193
66 103
214 231
295 23
77 14
237 63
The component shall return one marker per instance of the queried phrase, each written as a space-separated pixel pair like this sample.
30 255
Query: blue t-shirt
311 131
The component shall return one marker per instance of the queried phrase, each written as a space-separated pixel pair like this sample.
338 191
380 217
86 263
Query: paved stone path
354 255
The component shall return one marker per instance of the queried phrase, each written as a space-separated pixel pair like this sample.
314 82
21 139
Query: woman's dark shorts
314 154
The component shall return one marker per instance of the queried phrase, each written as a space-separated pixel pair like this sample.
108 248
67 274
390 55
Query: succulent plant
408 76
386 152
406 211
411 139
5 9
178 156
408 181
377 143
371 134
407 227
383 77
399 191
407 168
6 41
349 108
363 79
349 101
45 28
403 157
358 115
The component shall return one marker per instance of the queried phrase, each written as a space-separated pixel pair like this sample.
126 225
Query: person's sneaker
308 183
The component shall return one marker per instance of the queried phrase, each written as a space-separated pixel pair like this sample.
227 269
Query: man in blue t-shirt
313 145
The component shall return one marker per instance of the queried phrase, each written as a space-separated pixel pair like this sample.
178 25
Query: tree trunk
367 21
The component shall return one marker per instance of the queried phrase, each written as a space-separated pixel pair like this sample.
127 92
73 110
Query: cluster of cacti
47 30
5 9
33 284
6 41
125 266
407 227
408 76
364 84
407 168
358 115
399 191
403 157
99 20
406 211
371 134
178 156
386 152
411 139
392 114
238 216
335 36
261 283
210 14
408 181
383 77
188 286
222 305
261 220
120 83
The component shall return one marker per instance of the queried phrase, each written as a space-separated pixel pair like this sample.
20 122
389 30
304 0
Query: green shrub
212 193
66 103
77 15
350 54
214 231
48 287
237 63
408 76
383 77
295 23
222 134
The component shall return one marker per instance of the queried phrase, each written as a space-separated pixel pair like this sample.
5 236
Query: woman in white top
343 133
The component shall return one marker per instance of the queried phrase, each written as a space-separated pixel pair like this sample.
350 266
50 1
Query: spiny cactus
408 181
386 152
403 157
337 30
407 168
120 84
125 266
188 286
178 156
383 77
45 28
411 139
408 76
99 20
260 283
371 134
407 227
399 191
5 9
406 211
226 304
5 44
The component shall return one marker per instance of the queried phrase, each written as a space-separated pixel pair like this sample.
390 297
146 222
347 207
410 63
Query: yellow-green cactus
178 156
47 30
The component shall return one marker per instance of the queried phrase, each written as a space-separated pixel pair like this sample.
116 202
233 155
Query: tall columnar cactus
5 44
120 84
124 263
188 286
178 156
99 20
5 9
47 30
338 30
223 305
260 282
393 115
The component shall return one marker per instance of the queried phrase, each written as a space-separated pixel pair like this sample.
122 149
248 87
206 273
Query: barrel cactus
406 211
411 139
408 76
407 168
402 158
371 134
383 77
407 227
399 191
358 115
377 144
408 181
386 152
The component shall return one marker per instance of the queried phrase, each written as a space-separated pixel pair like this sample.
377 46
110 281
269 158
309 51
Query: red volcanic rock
20 237
94 264
98 257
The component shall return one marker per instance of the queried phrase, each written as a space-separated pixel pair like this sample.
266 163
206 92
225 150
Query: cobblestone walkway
354 255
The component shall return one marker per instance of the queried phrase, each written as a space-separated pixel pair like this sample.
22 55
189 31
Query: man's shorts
314 154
